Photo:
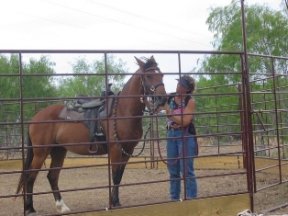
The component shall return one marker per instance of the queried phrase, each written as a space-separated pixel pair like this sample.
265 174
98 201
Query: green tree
9 82
266 30
38 78
91 80
36 83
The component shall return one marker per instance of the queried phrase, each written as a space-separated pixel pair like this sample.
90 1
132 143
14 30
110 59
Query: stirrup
91 151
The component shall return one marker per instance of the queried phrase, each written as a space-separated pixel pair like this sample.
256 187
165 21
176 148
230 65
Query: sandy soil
96 197
87 188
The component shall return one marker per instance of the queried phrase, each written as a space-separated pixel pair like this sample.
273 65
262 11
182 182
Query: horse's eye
149 76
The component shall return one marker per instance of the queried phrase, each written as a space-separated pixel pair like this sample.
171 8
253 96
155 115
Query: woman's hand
167 110
165 107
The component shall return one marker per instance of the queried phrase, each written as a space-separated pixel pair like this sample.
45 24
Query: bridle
150 90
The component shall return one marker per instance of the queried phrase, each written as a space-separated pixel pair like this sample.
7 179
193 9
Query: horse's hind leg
30 177
57 158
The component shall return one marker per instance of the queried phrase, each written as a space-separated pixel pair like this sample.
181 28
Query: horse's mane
149 63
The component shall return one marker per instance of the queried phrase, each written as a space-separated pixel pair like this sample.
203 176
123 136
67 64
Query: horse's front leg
117 176
119 162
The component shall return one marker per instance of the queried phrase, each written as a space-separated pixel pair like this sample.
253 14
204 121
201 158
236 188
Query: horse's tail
28 160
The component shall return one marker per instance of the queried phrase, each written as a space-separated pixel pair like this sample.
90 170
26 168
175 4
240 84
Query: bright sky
110 24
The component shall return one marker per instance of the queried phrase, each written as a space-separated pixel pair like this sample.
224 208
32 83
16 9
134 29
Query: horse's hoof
117 204
62 207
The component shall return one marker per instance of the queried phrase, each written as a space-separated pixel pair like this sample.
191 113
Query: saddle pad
67 114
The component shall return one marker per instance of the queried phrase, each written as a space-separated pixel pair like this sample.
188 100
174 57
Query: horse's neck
129 102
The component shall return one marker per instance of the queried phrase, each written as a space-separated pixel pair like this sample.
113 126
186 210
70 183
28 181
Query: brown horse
46 137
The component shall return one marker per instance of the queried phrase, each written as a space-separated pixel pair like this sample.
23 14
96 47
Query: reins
158 145
143 146
116 134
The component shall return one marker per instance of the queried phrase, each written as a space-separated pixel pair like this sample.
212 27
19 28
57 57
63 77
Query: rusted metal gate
242 145
269 117
154 154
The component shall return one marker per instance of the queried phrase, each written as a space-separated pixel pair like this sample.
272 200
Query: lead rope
158 144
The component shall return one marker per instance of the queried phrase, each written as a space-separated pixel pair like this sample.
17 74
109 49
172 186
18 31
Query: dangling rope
247 212
158 143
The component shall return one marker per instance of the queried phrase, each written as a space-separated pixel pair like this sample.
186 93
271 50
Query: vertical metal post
247 113
276 118
217 122
158 137
184 154
152 135
266 120
22 127
107 137
243 135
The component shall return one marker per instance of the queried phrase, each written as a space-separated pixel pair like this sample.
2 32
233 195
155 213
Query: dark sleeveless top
178 109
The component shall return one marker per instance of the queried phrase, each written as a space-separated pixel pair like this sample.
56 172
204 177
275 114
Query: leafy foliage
266 30
36 83
89 79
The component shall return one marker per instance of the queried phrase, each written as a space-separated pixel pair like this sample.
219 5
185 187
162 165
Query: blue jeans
178 149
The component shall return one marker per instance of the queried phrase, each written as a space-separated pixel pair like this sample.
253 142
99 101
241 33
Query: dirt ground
86 189
96 196
94 199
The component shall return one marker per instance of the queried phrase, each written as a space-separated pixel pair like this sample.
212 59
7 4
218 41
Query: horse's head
152 82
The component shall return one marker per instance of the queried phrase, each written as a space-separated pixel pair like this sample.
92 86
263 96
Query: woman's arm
185 119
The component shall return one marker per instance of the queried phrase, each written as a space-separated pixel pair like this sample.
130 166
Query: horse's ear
152 59
139 62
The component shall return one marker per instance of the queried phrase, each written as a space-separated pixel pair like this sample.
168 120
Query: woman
181 142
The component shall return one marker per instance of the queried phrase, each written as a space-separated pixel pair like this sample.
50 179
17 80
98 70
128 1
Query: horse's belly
88 150
75 138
